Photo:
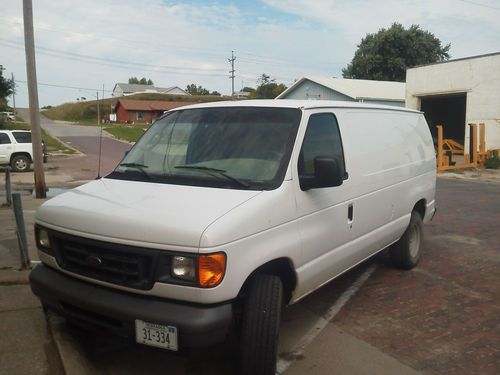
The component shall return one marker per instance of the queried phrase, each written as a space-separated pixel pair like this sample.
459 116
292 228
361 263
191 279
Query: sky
83 46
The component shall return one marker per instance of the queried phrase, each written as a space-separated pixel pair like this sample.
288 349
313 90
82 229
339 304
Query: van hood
135 211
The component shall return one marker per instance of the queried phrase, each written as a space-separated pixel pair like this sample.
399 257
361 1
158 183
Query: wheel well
21 153
420 207
280 267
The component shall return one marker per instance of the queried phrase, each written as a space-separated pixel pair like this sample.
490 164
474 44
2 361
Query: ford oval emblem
94 260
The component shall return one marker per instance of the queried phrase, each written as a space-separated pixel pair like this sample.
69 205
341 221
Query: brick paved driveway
444 316
441 318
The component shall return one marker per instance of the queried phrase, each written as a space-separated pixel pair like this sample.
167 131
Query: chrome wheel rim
21 164
414 241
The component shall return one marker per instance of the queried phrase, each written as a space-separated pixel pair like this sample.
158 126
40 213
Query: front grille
129 266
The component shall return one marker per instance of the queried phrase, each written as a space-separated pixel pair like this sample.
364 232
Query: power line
66 87
480 4
113 62
123 41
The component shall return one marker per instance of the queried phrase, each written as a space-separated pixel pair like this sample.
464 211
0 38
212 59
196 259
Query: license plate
157 335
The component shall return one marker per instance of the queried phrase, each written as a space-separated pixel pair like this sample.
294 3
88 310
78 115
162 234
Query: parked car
16 149
223 213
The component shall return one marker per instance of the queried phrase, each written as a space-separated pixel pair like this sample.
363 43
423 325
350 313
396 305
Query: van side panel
392 164
390 160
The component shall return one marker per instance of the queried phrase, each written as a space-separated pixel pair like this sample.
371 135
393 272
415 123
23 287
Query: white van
222 213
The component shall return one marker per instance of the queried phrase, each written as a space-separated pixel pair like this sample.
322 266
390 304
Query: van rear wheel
407 251
260 325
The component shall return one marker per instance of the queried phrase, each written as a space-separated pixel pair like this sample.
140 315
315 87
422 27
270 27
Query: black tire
260 326
20 163
407 251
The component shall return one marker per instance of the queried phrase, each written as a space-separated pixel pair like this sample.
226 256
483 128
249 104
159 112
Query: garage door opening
446 110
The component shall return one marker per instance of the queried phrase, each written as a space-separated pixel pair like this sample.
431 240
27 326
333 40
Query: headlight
183 268
43 238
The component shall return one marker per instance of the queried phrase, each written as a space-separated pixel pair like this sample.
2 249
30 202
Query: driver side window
322 139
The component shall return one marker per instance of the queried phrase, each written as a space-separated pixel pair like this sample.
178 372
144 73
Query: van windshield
231 147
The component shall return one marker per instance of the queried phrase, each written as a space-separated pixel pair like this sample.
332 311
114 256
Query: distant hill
86 111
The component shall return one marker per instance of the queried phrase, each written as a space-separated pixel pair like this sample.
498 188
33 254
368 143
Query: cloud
178 43
452 21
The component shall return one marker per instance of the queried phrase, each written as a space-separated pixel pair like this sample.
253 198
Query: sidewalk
26 346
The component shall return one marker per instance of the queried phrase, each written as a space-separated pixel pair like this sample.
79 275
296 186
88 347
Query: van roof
292 103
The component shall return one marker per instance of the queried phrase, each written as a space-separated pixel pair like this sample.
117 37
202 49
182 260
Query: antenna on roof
99 122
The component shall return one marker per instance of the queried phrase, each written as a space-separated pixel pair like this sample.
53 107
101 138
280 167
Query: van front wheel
407 251
260 325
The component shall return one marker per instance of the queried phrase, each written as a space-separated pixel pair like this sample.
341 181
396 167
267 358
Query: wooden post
440 148
36 132
482 142
473 152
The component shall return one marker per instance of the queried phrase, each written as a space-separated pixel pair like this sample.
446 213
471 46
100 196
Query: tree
267 88
199 90
385 55
142 81
7 88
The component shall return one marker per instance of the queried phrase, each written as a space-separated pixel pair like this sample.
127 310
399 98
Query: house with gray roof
123 89
358 90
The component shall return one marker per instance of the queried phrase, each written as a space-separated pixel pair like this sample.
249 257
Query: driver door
326 215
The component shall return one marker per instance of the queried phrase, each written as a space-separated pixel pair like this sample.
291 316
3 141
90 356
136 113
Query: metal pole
21 232
14 96
231 60
36 138
8 187
100 139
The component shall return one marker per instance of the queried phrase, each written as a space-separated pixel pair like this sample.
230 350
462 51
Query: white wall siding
311 90
479 77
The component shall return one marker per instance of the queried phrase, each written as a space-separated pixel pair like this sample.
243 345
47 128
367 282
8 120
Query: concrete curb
14 277
71 354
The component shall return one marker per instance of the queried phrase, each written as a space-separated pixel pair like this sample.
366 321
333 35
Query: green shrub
493 162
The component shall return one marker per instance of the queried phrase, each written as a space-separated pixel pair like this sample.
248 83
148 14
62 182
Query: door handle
350 214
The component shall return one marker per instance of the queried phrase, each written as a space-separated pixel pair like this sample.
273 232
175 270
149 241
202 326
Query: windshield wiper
139 167
214 172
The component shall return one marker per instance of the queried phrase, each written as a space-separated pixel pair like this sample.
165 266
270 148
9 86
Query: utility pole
14 96
231 60
36 138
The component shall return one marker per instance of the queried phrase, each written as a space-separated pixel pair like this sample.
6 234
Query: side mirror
328 173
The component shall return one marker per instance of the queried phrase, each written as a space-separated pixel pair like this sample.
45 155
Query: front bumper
110 310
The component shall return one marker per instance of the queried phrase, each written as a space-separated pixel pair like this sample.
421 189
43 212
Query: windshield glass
232 147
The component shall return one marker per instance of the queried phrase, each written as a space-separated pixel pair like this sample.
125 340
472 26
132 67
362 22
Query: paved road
86 140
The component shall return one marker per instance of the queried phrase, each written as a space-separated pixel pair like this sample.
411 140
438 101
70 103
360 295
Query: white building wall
117 91
479 77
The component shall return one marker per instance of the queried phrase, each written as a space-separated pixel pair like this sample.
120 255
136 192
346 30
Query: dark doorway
446 110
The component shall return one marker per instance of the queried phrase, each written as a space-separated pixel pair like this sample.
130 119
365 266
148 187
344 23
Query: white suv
16 149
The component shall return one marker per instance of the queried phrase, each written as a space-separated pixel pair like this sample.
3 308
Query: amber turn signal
211 269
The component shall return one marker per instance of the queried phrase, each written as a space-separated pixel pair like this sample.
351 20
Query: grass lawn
128 133
53 145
